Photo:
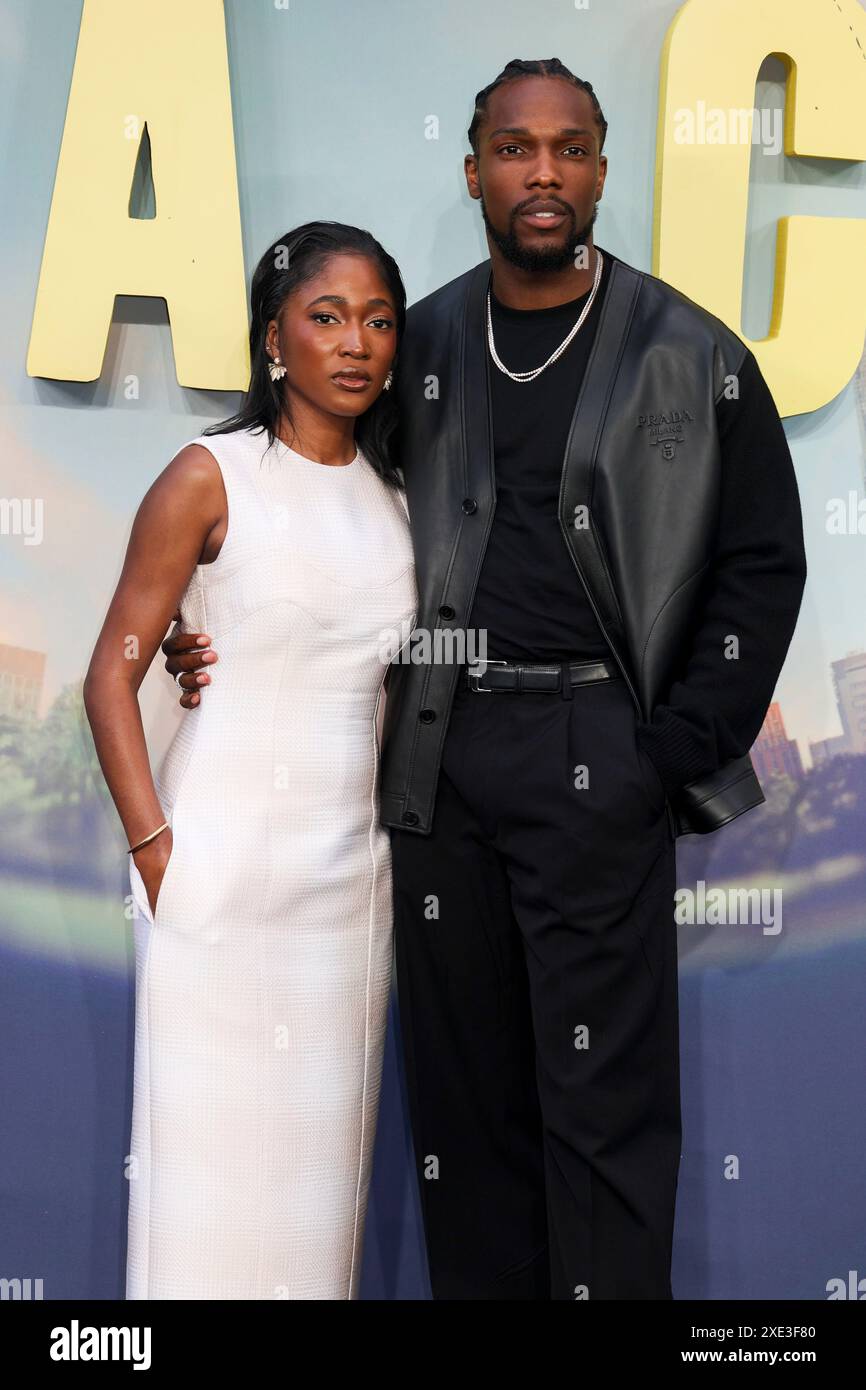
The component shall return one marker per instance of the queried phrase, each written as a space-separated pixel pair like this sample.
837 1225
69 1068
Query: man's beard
553 257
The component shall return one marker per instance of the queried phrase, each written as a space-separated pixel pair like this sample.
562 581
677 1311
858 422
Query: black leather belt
531 677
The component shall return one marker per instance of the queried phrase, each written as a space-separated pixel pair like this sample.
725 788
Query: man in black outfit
623 522
535 937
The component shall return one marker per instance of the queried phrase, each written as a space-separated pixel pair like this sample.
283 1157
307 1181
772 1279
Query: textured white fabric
262 985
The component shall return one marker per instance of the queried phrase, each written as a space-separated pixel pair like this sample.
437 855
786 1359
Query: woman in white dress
260 874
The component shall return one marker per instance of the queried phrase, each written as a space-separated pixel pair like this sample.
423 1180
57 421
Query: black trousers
536 964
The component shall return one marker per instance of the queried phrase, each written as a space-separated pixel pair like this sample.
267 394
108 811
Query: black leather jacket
655 351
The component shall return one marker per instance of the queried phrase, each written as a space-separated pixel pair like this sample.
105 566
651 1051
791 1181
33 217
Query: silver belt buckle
476 673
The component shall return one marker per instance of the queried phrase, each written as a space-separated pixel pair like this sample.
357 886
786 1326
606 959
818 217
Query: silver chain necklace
536 371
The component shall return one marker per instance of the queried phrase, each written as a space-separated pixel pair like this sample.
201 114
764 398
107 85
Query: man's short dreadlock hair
533 67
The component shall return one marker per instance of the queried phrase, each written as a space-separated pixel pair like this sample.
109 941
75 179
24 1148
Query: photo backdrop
332 106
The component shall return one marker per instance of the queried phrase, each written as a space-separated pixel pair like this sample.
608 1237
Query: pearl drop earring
276 369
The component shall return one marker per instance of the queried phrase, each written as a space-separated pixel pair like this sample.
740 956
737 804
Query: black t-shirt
529 596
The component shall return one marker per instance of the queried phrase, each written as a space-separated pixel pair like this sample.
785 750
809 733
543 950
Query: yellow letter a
165 64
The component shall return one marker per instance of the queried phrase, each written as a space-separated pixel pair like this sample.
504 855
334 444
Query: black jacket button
446 611
427 716
470 505
410 818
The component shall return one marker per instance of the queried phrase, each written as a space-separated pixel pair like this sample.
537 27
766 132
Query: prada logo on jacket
657 359
666 429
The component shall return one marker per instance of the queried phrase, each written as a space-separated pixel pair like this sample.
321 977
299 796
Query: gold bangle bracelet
150 837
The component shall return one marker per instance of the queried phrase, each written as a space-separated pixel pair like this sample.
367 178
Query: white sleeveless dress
262 984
